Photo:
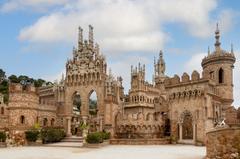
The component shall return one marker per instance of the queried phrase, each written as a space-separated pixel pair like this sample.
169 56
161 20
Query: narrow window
220 75
22 119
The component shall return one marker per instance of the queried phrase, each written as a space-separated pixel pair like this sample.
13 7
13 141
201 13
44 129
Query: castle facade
184 107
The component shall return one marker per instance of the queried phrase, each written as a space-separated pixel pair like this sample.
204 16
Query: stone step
72 139
65 144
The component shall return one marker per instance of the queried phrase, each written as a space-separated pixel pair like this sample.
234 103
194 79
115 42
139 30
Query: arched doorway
93 104
187 127
94 120
76 113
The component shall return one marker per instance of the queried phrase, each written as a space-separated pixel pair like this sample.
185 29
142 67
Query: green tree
39 82
13 79
2 76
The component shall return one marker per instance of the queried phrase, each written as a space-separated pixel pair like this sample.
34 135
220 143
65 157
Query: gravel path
108 152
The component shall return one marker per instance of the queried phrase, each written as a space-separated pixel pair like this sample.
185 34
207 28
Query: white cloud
34 5
236 81
125 25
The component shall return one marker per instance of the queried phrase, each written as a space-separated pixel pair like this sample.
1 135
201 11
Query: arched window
2 110
45 122
22 119
220 75
52 122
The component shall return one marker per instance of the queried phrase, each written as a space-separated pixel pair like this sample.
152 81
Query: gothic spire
208 50
90 38
161 64
217 37
80 37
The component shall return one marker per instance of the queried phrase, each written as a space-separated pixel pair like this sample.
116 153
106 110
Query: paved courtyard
108 152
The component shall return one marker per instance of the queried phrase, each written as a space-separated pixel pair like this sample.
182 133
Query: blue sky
37 36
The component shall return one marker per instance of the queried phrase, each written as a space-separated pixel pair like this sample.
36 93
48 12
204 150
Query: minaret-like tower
159 71
218 67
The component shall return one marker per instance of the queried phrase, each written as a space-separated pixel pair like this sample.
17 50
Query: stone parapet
223 143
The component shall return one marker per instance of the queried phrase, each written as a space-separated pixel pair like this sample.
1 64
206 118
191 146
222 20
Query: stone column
194 133
101 123
180 132
85 131
69 133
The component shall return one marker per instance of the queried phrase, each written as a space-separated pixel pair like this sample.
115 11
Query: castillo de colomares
115 79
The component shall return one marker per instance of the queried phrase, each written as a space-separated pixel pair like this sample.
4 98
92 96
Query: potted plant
3 138
83 127
173 139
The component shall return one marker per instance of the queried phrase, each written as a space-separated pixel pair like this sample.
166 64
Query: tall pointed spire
208 50
90 38
80 38
232 49
161 64
217 37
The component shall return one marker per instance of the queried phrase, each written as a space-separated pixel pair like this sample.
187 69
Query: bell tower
218 67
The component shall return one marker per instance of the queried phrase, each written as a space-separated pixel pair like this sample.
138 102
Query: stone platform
72 141
159 141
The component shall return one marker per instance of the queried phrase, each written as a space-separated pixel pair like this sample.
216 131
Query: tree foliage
23 79
2 75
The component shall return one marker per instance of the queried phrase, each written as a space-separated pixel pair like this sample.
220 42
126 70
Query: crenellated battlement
185 79
17 87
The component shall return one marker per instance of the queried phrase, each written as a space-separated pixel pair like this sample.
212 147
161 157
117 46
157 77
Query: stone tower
218 67
159 72
138 77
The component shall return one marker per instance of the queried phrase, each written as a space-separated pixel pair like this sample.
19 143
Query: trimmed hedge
50 135
32 135
94 138
3 136
97 137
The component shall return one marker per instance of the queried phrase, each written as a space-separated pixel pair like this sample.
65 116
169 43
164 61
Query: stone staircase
73 141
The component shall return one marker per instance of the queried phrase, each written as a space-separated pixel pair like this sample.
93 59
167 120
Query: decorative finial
97 48
91 40
139 66
232 48
208 50
80 37
217 37
160 54
131 68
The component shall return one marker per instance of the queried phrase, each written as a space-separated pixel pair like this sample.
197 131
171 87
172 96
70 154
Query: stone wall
223 143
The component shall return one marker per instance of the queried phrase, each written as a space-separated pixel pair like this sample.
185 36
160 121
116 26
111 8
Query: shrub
105 135
95 137
52 135
32 135
3 136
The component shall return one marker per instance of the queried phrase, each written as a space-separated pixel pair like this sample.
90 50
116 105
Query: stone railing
223 143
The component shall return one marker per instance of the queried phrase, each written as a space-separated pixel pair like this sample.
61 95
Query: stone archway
187 128
76 113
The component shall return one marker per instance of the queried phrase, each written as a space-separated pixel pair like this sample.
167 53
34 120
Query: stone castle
185 107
